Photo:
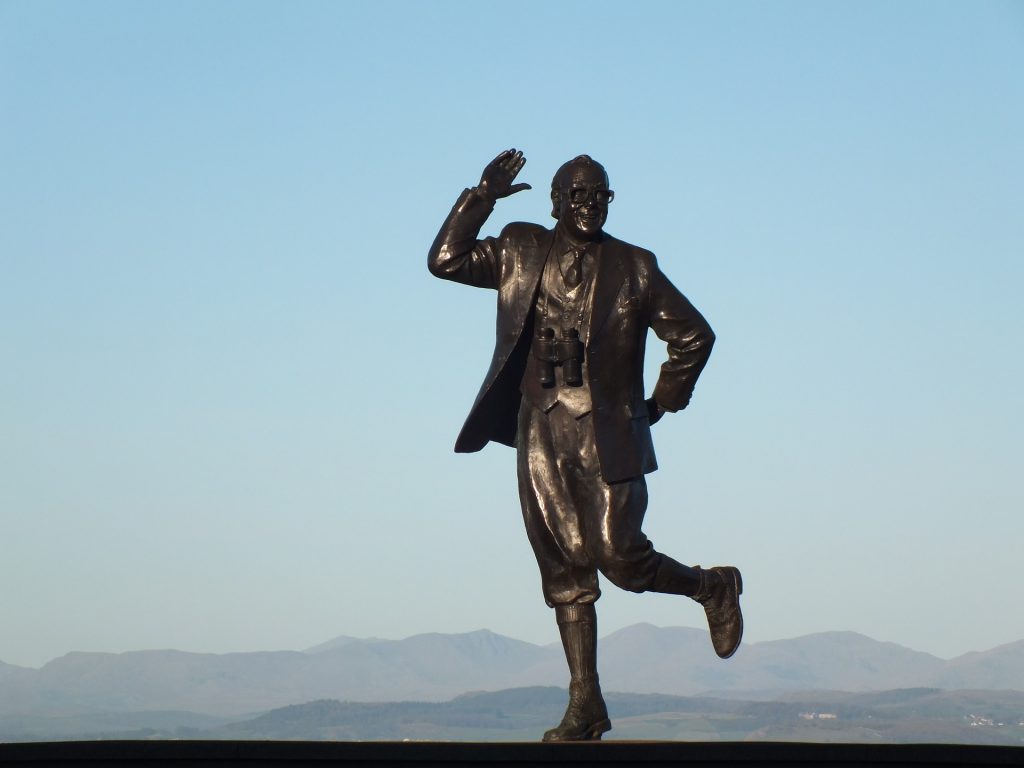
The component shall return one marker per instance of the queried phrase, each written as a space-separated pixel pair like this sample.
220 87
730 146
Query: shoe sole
738 583
593 733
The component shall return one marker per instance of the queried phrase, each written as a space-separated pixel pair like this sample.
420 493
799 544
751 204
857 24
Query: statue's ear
556 202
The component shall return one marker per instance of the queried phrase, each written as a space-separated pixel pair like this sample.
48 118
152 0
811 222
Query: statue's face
583 205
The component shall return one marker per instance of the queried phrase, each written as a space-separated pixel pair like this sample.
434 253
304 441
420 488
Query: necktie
574 272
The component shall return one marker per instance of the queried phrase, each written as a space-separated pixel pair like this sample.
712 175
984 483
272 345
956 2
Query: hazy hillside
1001 667
681 661
10 673
429 667
912 715
435 667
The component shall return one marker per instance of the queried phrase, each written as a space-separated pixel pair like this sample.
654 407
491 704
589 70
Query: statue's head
580 197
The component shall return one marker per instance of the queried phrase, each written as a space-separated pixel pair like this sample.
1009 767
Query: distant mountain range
434 667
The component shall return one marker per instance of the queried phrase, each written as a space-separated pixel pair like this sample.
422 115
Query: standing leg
586 717
548 458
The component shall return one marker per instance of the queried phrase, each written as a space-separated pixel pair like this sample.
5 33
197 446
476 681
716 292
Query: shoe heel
594 734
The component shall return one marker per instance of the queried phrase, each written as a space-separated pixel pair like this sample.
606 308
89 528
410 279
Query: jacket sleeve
689 337
457 254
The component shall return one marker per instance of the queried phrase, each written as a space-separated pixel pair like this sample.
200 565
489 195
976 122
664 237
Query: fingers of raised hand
502 156
520 162
512 161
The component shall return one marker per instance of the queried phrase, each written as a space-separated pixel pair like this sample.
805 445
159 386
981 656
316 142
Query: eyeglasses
581 195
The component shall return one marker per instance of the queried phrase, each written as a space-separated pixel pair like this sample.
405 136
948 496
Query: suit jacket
630 296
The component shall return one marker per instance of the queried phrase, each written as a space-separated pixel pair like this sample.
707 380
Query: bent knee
630 565
626 574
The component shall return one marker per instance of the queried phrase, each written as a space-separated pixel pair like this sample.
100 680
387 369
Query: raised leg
717 589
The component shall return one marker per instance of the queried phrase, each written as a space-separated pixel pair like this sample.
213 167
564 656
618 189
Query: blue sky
230 387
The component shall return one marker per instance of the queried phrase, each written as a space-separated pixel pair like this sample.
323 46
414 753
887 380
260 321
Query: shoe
586 717
719 593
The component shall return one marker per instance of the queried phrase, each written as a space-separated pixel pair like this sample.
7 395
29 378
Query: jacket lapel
611 274
533 256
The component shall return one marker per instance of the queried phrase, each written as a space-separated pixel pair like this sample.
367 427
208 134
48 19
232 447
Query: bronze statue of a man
565 387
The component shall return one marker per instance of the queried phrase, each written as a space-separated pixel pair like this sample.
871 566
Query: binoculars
566 351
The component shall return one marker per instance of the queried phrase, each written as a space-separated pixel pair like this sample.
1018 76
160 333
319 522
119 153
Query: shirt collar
565 242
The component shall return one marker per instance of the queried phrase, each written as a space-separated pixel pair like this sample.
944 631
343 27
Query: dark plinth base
170 754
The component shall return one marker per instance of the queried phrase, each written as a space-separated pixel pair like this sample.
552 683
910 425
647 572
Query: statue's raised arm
457 254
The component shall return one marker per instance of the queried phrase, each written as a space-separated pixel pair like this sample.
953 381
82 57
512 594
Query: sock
675 578
577 624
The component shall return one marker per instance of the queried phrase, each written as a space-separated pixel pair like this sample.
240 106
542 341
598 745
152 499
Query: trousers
577 523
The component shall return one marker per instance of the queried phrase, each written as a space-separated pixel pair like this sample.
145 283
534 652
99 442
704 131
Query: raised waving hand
496 180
